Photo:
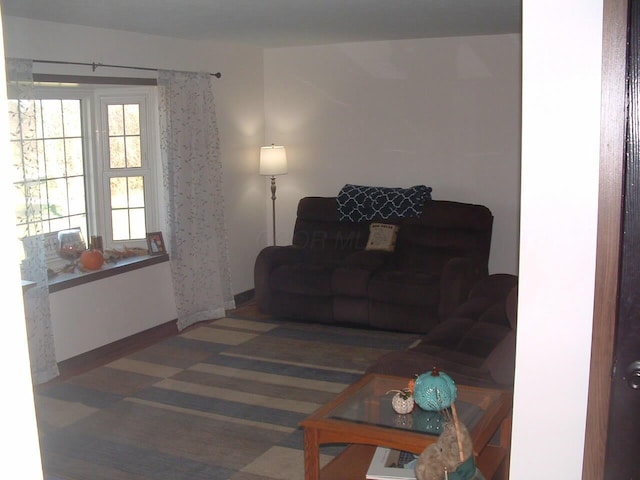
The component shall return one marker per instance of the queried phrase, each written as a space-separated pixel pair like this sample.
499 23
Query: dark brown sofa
326 275
475 345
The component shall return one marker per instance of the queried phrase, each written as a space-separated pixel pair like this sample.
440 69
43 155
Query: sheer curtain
22 126
197 236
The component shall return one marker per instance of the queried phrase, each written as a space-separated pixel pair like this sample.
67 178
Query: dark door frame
612 128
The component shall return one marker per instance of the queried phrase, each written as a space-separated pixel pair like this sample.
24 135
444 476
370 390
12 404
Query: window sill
67 280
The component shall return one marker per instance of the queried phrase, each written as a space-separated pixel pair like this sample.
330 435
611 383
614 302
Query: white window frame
94 99
146 98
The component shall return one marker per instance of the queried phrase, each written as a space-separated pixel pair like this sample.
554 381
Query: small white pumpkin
402 403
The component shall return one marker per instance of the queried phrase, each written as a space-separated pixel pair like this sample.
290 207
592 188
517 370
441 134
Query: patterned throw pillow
382 236
358 203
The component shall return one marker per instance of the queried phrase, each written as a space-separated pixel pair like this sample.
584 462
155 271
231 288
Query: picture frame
155 243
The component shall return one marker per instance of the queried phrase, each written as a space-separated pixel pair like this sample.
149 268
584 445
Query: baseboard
244 297
112 351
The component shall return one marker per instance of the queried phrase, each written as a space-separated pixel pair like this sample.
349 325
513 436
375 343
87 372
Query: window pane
116 153
30 159
132 119
58 224
57 196
52 118
71 113
54 156
137 223
28 111
75 186
120 224
136 192
118 189
133 152
115 120
73 149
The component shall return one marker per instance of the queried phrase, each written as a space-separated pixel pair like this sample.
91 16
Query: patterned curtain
22 126
192 170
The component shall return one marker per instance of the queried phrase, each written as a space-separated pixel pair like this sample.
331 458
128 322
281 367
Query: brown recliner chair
327 275
475 346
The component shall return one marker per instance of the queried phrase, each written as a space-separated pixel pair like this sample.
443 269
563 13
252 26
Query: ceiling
279 23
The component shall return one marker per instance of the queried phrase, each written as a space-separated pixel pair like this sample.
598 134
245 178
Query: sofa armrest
458 276
268 259
447 334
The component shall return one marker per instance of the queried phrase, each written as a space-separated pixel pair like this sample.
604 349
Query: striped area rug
221 401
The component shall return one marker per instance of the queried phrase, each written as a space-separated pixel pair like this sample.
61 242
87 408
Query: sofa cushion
303 278
405 287
359 203
321 236
351 280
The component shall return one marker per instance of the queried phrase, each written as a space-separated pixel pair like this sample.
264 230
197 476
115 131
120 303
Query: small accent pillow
382 236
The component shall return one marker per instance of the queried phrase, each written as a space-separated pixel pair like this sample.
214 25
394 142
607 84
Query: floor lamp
273 161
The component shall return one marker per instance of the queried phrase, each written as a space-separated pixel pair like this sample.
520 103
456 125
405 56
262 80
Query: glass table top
371 405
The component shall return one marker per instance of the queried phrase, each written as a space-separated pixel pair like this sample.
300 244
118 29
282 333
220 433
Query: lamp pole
273 204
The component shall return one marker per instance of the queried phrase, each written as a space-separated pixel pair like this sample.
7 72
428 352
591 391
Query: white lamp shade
273 160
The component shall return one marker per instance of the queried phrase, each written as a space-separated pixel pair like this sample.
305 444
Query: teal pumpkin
434 391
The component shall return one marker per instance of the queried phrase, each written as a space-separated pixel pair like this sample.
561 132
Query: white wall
94 314
441 112
560 156
238 95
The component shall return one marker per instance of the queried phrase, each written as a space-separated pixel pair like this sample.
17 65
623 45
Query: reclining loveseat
334 273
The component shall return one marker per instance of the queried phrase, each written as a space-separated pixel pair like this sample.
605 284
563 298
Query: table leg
311 454
505 443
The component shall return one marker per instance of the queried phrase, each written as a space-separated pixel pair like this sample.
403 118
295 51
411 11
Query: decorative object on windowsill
451 456
434 391
91 260
71 244
155 242
95 243
113 255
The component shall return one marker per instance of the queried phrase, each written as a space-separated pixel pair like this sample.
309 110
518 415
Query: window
86 158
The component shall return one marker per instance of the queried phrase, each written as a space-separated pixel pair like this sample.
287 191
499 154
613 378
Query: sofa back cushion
319 231
445 230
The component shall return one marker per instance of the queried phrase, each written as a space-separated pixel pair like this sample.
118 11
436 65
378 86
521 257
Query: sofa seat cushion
405 287
351 280
303 278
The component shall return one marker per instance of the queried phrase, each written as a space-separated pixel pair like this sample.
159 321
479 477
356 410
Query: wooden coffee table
363 417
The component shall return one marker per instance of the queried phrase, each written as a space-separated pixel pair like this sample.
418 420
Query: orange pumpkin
91 259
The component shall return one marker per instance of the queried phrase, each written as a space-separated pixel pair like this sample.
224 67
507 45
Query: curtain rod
95 65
